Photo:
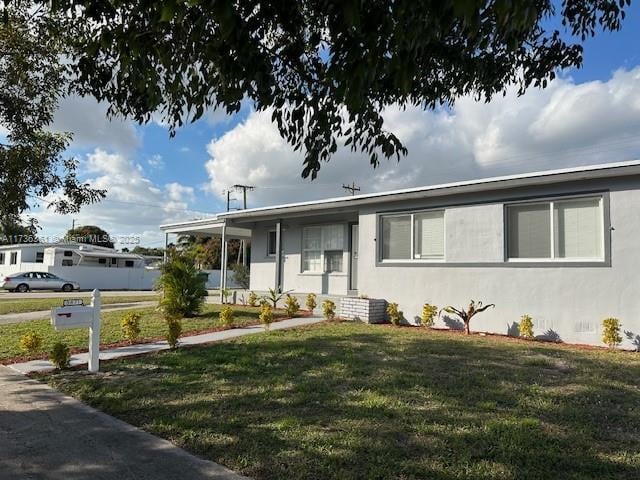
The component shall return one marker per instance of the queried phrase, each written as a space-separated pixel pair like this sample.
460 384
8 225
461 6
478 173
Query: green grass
152 325
338 401
21 305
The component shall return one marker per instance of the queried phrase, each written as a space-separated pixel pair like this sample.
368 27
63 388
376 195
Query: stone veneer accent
368 310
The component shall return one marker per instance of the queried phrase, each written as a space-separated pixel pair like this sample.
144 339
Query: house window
13 258
39 257
102 261
68 253
67 262
271 243
556 230
321 247
2 259
418 236
114 261
128 263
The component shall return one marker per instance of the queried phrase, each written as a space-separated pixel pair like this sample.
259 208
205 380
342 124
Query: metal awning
209 227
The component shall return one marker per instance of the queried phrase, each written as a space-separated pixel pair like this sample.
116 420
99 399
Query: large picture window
417 236
322 248
556 230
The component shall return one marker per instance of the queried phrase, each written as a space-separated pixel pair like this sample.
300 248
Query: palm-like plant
275 296
466 315
183 291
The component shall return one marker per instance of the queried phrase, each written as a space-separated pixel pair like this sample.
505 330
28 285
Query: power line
351 188
244 189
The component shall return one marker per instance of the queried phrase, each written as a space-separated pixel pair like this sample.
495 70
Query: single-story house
90 266
562 246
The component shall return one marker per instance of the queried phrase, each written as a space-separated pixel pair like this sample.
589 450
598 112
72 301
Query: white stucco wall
570 301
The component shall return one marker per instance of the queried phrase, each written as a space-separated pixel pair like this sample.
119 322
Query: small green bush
311 303
266 315
130 325
183 291
291 306
429 313
226 293
31 342
252 299
611 332
395 315
174 330
226 316
329 309
60 355
526 327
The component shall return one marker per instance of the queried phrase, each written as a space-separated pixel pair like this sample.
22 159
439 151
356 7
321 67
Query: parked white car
23 282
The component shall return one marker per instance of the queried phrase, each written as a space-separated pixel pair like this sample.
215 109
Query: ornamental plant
130 326
226 316
526 327
174 330
60 355
266 315
395 315
329 309
466 315
611 332
275 296
291 305
31 342
429 313
311 303
183 291
252 299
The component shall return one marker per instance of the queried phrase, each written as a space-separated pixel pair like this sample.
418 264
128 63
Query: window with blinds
322 248
557 230
418 236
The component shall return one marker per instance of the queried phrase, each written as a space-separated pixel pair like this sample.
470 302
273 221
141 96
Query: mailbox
66 318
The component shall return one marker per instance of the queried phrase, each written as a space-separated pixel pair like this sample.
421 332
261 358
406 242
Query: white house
562 246
89 265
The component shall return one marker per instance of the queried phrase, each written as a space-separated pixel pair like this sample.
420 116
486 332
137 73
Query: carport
211 227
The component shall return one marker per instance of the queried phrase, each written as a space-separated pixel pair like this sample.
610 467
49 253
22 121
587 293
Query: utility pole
244 189
351 188
229 200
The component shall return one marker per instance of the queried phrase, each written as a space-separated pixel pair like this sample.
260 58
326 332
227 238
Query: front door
353 262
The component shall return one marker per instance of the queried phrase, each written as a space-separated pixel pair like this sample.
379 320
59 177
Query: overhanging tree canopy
325 68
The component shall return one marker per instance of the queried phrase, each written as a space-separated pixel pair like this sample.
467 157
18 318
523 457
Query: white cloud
155 161
566 124
134 204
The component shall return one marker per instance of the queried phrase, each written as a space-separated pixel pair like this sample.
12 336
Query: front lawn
152 326
21 305
348 401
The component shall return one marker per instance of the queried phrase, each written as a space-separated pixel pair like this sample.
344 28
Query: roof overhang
208 227
97 254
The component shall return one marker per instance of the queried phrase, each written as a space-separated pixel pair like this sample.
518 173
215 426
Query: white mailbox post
80 316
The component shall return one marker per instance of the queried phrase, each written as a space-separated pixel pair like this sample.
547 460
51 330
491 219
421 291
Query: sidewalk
46 435
82 358
45 314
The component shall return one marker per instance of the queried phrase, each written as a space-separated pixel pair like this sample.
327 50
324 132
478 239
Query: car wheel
67 287
22 288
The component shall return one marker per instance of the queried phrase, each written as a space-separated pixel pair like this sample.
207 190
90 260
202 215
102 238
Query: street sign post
74 314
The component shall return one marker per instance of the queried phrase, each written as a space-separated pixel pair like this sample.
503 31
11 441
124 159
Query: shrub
174 330
226 293
31 342
266 315
60 355
395 315
526 326
291 306
311 303
241 275
611 332
329 309
275 296
466 315
429 313
130 325
183 292
226 316
252 299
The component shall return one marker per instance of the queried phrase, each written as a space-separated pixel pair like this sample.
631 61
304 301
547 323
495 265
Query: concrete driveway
45 435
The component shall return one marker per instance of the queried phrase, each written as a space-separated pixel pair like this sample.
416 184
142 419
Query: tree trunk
466 327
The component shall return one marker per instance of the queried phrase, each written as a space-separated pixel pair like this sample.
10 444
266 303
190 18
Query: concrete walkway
40 314
82 358
46 435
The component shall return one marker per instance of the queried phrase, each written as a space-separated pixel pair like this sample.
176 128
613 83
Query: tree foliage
90 234
32 80
325 69
183 291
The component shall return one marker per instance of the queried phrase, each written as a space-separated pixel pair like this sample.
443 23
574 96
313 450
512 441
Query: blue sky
153 178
